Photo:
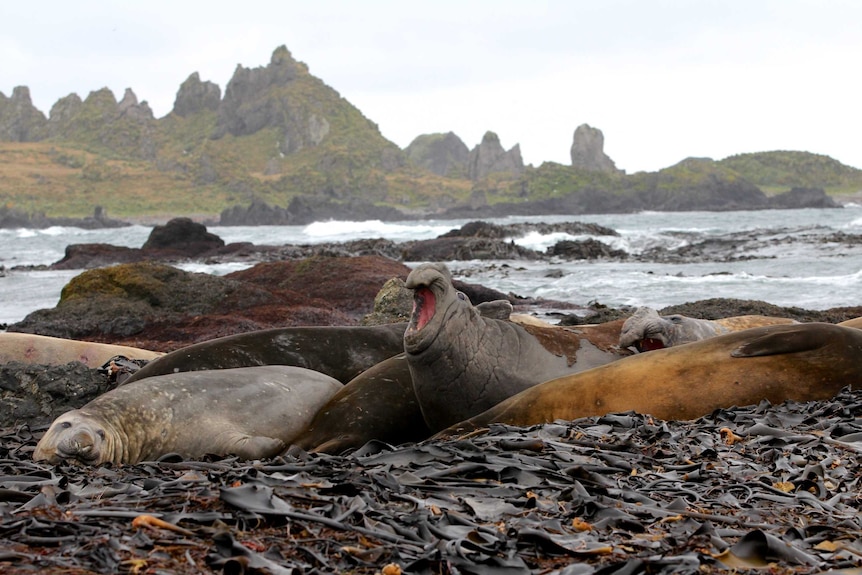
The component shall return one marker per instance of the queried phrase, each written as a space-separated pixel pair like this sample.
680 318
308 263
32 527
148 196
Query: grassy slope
186 172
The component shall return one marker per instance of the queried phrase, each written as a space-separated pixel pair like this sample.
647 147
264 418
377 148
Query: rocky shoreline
613 494
304 210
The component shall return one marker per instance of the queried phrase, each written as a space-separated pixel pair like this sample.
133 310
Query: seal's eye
101 434
462 296
64 425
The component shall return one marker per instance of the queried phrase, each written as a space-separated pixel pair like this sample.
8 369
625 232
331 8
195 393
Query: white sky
663 80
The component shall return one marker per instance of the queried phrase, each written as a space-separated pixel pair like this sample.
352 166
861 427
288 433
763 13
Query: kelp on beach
765 486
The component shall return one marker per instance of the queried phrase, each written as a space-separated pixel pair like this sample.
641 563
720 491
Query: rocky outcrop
155 306
441 154
489 157
178 239
195 96
20 121
63 114
256 98
37 394
184 235
129 107
304 210
797 198
587 151
127 126
14 218
483 240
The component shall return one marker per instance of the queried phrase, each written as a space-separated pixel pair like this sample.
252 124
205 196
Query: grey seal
250 412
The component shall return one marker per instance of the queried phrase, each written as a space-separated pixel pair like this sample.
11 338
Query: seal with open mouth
463 362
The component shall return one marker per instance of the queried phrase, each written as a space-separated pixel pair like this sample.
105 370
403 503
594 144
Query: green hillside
777 171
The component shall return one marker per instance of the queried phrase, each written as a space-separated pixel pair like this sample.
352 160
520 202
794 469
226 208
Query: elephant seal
800 362
855 322
251 412
462 362
46 350
646 330
342 352
377 404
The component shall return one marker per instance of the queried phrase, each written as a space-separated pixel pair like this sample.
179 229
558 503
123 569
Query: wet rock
349 284
85 256
717 308
392 304
589 249
460 248
803 198
34 394
156 306
182 235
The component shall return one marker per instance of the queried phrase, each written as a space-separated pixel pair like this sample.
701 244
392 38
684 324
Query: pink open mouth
649 344
423 303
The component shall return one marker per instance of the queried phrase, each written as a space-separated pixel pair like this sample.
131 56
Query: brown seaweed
773 486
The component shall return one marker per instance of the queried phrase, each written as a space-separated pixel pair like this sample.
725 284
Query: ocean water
784 257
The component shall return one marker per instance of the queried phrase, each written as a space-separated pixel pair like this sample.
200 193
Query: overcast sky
663 80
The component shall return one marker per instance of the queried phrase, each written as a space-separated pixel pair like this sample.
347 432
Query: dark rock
392 304
156 306
482 229
183 235
589 249
587 151
442 154
460 248
489 157
716 308
304 210
582 201
85 256
349 284
258 213
14 218
195 96
803 198
36 394
485 240
696 184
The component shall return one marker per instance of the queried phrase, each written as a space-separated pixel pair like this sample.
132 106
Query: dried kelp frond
739 489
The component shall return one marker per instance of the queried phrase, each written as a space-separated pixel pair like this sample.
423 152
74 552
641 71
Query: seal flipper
782 342
256 447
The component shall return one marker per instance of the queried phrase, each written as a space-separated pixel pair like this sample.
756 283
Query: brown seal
855 322
46 350
463 362
251 412
342 352
800 362
378 404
